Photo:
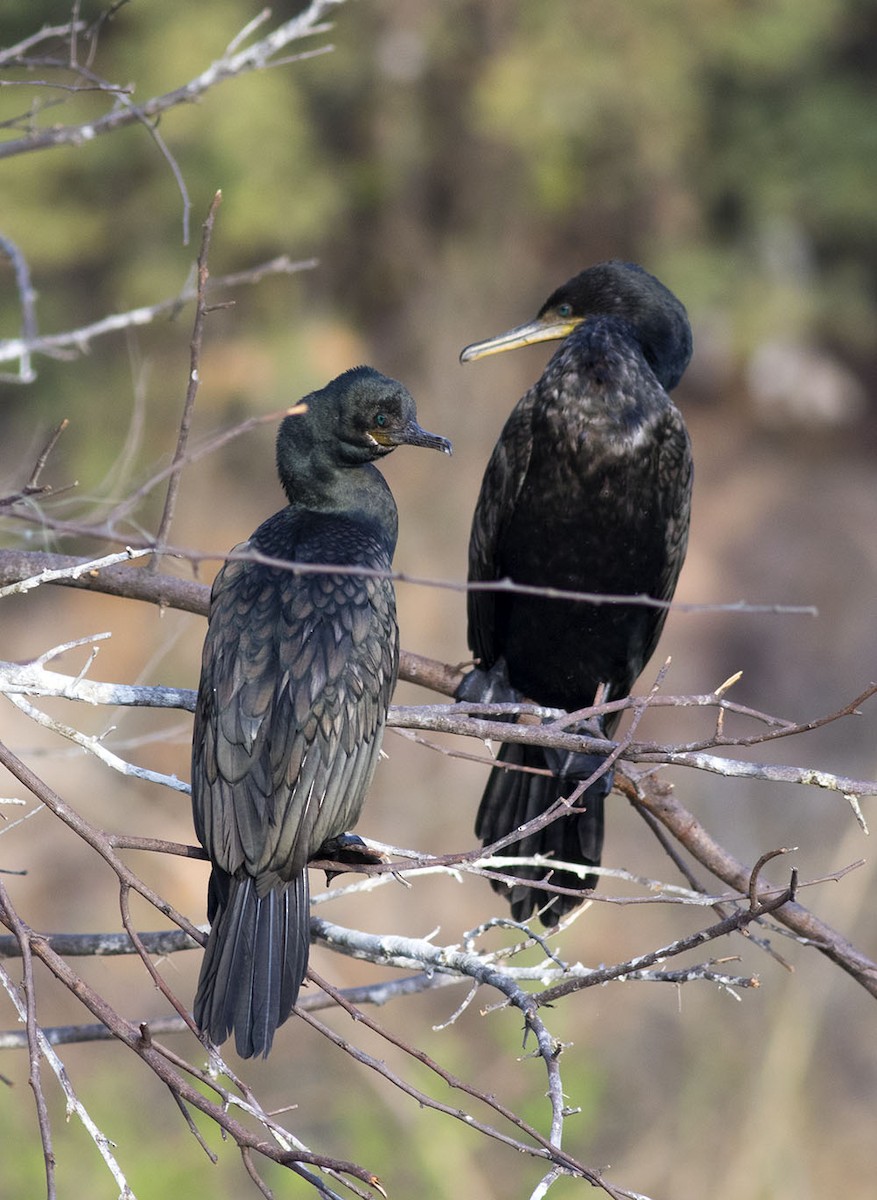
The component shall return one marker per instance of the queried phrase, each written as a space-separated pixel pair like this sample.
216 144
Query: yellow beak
543 329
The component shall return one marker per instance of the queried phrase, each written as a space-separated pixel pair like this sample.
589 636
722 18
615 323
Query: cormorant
296 676
588 489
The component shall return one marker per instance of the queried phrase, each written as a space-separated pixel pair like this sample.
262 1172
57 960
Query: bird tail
255 960
514 797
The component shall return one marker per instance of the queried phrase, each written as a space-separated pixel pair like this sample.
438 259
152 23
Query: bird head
357 417
375 414
624 290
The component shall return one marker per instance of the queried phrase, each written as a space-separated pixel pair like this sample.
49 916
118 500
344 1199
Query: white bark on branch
32 679
74 1105
72 342
256 57
50 576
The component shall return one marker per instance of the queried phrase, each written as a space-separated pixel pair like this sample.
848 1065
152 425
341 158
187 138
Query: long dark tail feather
512 798
255 961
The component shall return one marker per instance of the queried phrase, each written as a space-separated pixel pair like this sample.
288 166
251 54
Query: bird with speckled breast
588 490
297 672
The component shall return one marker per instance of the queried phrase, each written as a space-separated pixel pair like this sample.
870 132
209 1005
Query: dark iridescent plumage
296 677
588 489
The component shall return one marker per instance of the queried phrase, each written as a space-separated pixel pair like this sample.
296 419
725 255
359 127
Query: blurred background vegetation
449 165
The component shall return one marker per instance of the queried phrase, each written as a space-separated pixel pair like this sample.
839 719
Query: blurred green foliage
449 164
730 144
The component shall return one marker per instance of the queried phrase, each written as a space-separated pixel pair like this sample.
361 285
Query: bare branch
257 57
71 573
27 303
808 929
32 679
11 920
92 836
503 585
33 484
193 597
207 446
17 679
738 920
179 457
107 945
77 341
549 1050
167 591
157 1058
74 1105
170 592
48 33
377 994
93 746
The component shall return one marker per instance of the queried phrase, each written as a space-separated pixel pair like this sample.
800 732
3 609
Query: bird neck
599 381
664 336
320 485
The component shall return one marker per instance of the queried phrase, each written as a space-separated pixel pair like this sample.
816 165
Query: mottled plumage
588 490
297 673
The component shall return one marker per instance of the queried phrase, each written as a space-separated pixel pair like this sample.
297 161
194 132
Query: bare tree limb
808 928
74 1105
193 597
73 342
49 575
235 62
500 586
107 945
93 837
47 33
94 746
549 1051
32 679
27 303
167 591
179 457
11 920
156 1058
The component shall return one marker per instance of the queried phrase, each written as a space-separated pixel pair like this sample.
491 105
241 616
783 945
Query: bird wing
672 514
676 473
296 677
500 488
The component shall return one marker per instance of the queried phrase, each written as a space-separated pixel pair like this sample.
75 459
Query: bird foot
349 852
488 687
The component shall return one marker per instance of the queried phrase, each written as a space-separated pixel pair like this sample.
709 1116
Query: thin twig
92 836
208 446
157 1058
161 985
27 303
809 929
178 461
11 920
77 341
49 32
74 1105
545 1147
256 57
737 920
93 746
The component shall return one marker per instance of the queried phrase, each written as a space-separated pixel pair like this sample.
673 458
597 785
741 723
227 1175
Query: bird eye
381 420
564 310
